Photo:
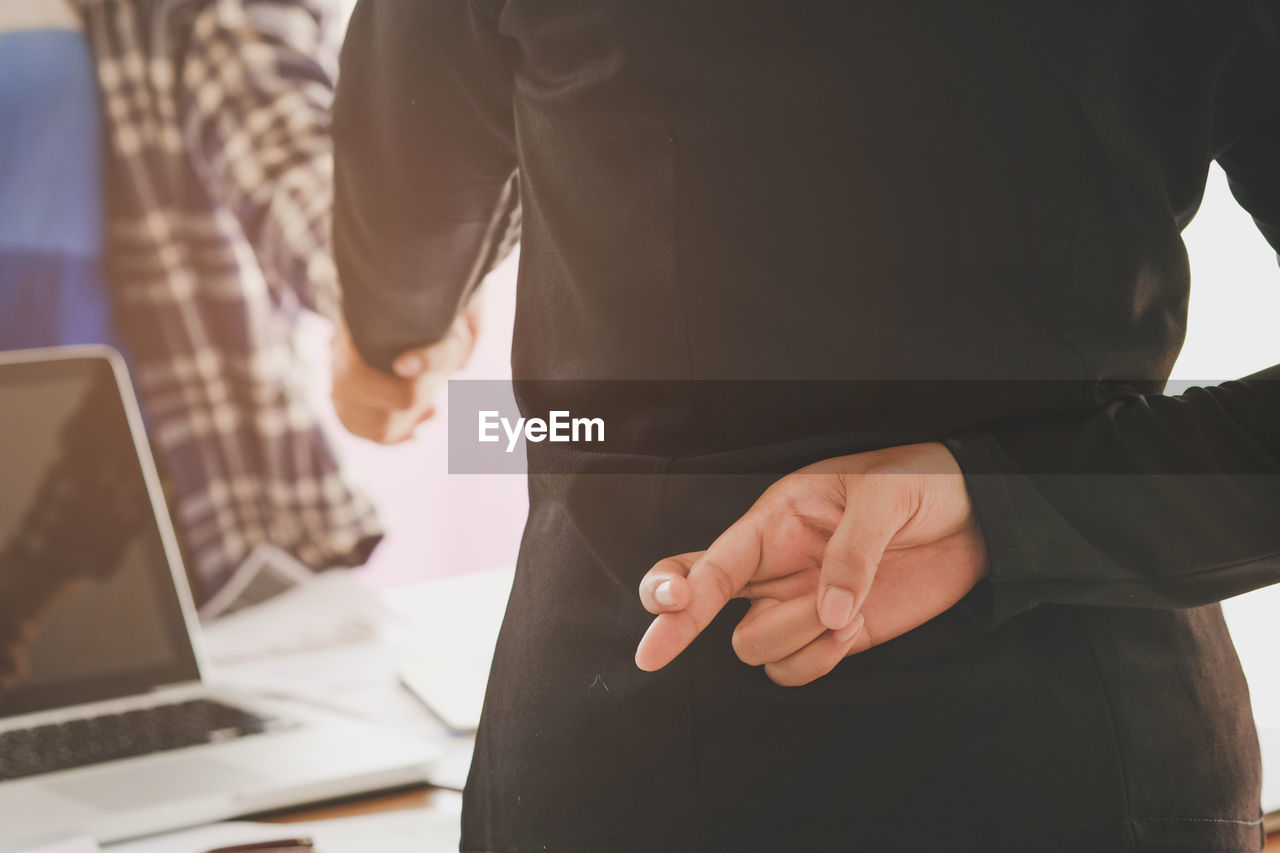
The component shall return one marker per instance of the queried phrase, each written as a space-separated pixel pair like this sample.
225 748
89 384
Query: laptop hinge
162 695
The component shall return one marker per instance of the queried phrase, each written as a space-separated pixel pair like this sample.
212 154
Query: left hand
836 557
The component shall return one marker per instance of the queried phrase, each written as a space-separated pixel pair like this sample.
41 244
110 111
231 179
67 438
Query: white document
334 643
451 769
438 636
433 829
330 610
449 629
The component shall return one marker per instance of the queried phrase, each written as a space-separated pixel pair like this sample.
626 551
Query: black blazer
834 226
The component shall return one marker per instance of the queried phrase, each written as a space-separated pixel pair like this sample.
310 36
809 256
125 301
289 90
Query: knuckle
808 668
786 675
748 648
665 568
890 483
880 473
876 484
719 579
848 554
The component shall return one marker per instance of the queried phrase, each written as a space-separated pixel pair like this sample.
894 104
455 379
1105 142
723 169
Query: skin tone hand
388 409
835 558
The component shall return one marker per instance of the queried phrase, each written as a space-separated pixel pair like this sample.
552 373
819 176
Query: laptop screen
89 608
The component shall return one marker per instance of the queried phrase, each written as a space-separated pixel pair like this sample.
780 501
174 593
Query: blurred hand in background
388 408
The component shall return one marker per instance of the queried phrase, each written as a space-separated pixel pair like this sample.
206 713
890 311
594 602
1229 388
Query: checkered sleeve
218 203
254 97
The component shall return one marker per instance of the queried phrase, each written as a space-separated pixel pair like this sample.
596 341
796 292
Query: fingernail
847 633
664 594
409 365
837 608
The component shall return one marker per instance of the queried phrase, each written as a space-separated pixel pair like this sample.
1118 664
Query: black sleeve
426 196
1154 501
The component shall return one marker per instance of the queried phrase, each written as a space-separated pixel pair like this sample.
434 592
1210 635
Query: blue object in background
52 287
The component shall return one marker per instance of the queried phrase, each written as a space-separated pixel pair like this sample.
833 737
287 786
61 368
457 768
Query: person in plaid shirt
218 174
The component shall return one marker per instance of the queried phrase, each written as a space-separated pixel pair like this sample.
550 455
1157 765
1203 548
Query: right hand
385 408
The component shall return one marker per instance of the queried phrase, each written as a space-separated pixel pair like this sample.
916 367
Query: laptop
108 726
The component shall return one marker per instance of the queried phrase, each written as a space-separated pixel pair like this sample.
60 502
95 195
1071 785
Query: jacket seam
1121 759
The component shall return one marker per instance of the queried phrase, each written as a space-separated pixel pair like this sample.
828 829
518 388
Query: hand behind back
835 558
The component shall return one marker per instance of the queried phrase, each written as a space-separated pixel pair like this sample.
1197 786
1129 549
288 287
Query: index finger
715 577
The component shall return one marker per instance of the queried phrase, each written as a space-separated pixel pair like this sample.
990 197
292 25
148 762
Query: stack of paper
449 630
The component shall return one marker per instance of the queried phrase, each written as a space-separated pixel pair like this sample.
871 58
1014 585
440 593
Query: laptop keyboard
94 740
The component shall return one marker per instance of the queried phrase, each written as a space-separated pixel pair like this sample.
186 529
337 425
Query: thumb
665 587
877 506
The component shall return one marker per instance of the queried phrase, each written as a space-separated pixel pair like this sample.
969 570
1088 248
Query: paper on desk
264 574
432 829
333 643
441 636
321 643
451 768
332 609
445 647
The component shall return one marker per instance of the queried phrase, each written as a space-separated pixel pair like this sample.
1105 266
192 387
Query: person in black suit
881 299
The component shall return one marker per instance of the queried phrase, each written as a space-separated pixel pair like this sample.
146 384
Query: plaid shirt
219 192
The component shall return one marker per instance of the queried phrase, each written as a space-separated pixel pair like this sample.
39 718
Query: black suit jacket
916 221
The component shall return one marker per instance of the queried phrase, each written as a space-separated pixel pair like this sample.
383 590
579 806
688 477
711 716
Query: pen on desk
291 844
